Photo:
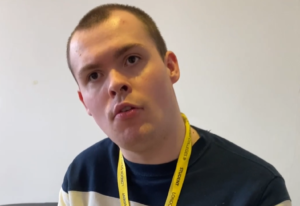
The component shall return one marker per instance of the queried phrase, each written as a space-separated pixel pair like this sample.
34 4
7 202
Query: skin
116 62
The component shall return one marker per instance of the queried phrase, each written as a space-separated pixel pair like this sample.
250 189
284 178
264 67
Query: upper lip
119 107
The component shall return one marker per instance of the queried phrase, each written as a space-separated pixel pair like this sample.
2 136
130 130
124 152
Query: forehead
119 29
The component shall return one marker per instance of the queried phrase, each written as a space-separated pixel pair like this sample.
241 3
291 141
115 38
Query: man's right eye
94 76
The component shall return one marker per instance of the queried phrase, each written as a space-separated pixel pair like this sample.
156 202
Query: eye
132 60
94 76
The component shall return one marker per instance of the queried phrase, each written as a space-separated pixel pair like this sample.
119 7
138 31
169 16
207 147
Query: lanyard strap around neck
178 177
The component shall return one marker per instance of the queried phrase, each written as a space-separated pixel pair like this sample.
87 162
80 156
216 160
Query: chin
132 137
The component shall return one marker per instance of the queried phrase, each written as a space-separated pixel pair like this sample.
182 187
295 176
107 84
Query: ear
81 99
173 67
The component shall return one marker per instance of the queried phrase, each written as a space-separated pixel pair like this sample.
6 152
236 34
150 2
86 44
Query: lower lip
127 115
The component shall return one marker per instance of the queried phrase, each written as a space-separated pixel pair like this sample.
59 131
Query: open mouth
125 111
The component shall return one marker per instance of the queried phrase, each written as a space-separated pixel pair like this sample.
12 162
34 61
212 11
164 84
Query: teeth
125 109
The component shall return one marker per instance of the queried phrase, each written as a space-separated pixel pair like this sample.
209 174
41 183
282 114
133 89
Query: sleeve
275 193
285 203
63 198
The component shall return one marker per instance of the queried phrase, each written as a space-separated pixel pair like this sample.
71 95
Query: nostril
125 88
118 90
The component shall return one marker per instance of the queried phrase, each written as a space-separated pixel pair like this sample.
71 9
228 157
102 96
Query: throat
165 151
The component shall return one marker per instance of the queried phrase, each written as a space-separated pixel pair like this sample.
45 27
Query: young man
153 156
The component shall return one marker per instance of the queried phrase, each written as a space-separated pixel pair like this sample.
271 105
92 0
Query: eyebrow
119 52
86 68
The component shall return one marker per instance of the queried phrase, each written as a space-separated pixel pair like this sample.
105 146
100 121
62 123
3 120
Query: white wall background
240 63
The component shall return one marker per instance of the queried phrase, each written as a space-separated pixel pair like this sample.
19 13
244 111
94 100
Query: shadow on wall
33 204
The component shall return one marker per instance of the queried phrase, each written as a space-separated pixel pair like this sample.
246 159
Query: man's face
123 81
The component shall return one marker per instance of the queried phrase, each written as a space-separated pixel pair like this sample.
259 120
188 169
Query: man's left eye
132 60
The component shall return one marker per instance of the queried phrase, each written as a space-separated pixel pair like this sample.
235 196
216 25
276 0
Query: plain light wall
240 78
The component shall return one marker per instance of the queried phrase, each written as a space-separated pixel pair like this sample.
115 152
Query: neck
165 149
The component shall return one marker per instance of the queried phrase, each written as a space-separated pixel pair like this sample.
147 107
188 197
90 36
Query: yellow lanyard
178 177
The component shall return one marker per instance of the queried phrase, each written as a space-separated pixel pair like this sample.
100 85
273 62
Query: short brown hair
102 13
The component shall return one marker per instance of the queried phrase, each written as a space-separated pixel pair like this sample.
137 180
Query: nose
118 84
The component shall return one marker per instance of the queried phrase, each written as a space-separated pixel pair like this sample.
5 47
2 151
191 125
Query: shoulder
237 169
241 157
88 164
95 153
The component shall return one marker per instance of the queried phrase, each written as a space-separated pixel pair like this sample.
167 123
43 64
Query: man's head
125 75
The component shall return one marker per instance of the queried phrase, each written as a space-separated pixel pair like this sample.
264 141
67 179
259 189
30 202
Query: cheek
94 101
157 84
97 104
